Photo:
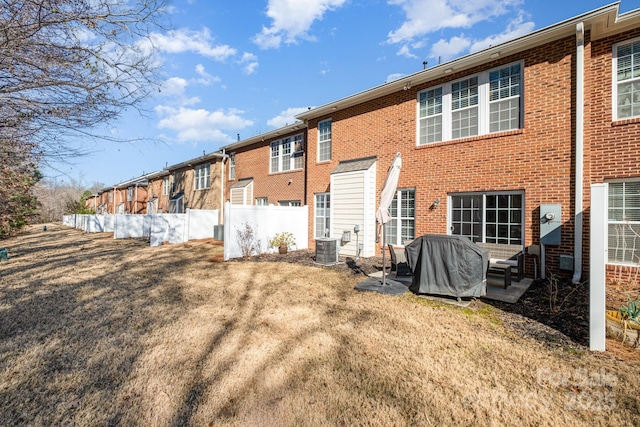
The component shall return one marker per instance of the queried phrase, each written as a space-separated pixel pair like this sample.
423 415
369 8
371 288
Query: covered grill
447 265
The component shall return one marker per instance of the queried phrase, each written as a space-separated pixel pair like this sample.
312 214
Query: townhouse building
194 184
488 141
267 169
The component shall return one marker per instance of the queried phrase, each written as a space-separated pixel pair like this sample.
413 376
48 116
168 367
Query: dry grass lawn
95 331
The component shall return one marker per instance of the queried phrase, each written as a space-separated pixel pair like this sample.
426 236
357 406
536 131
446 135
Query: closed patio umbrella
386 197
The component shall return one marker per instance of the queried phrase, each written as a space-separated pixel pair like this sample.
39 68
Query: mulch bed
566 324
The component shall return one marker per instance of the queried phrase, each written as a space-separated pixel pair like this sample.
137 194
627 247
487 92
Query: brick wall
199 199
614 150
536 159
253 161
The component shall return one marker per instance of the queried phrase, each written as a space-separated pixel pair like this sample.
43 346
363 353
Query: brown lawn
95 331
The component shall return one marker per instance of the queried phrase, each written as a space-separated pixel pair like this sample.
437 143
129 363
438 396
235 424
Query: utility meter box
550 224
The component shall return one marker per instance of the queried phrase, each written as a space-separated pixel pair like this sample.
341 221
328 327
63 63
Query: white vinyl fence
265 222
159 228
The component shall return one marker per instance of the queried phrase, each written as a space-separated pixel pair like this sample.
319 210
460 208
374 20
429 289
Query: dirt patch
95 331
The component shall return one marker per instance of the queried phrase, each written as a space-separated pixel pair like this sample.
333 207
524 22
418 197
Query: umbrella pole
384 264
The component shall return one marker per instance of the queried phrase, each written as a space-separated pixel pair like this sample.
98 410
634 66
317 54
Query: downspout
221 215
579 177
115 200
135 206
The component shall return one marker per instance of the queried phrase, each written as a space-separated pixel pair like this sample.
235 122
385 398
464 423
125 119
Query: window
324 140
289 203
430 116
298 152
624 222
322 213
488 217
477 105
626 66
176 203
111 196
402 225
286 154
129 194
165 186
201 177
232 166
262 201
464 108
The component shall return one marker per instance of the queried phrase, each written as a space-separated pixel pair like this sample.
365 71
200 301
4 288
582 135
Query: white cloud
446 50
185 40
174 86
291 20
200 124
250 62
205 78
404 51
393 77
515 29
426 16
286 117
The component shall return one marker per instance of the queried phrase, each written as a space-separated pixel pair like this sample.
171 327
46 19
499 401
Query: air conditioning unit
327 251
218 232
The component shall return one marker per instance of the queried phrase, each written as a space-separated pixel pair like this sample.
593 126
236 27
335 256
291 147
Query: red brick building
490 140
267 169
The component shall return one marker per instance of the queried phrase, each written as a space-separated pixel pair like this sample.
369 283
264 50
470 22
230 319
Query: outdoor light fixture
435 204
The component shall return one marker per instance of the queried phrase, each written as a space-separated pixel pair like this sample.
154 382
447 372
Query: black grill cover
447 265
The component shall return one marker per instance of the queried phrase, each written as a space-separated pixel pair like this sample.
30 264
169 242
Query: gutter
579 173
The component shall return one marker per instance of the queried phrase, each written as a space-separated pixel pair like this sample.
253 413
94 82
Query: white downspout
579 178
221 216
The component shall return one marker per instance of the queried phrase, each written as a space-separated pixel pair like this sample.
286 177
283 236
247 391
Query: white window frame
201 176
324 140
110 196
289 203
324 215
262 201
232 166
130 193
166 185
440 121
623 228
406 197
177 205
483 217
634 81
283 154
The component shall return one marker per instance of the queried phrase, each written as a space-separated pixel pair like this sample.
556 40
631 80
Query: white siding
353 203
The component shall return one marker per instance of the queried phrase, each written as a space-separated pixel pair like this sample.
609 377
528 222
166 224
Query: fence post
597 269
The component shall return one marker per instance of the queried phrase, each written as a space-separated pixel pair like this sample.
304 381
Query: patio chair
398 261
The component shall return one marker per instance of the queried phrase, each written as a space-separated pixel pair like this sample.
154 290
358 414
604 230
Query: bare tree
69 66
67 69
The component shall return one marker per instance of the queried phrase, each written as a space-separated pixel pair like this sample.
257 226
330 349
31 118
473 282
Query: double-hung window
232 167
129 194
166 188
626 68
481 104
201 176
488 217
322 215
324 140
624 222
402 226
286 154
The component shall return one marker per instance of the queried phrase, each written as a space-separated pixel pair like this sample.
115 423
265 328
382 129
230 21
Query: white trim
614 79
330 141
483 105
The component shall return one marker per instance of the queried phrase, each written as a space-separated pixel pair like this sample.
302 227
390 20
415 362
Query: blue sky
229 68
